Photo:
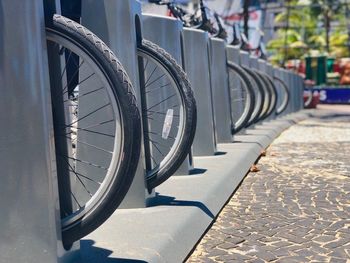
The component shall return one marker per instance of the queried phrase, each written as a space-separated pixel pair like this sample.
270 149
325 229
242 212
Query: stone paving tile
297 207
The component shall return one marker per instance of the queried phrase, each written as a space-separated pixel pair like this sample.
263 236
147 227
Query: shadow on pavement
171 201
92 254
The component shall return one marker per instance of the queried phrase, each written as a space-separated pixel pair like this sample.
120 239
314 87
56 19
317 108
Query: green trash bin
316 69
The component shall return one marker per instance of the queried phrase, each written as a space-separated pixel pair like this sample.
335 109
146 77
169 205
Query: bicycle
285 98
241 95
170 122
108 125
260 91
202 18
180 119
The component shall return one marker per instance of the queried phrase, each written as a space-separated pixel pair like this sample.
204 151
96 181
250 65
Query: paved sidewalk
297 207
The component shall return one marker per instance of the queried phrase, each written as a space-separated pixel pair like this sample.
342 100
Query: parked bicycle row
199 92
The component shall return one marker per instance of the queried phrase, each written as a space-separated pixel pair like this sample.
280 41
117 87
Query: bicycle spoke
154 81
85 177
155 105
89 114
75 199
65 66
79 179
150 76
85 94
160 113
144 69
156 147
90 131
85 162
158 88
159 134
74 74
91 126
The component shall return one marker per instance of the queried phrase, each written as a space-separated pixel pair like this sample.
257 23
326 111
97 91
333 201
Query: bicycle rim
267 96
285 97
259 96
274 98
92 129
164 111
241 99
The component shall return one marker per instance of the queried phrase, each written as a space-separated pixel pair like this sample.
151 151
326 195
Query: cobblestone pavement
297 207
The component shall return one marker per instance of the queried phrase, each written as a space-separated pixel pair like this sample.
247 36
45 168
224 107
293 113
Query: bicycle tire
249 90
274 97
68 34
268 95
260 90
181 147
285 101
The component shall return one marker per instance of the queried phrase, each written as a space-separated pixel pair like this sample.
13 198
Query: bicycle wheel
259 96
274 97
268 95
285 96
242 96
169 113
96 124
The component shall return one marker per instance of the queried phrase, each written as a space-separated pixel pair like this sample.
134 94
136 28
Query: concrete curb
184 206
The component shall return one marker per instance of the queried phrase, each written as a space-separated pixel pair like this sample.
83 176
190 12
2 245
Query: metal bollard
269 71
291 81
220 89
196 61
29 218
118 24
166 32
286 79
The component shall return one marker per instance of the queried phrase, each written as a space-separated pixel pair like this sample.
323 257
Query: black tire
260 90
103 57
274 97
268 95
160 174
249 90
285 99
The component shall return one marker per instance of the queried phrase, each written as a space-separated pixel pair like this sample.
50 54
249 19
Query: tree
310 30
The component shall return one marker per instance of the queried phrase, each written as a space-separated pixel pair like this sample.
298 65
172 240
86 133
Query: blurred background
310 37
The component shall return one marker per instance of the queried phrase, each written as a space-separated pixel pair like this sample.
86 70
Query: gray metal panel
166 33
301 92
262 65
291 84
244 58
221 95
292 76
233 54
269 71
196 63
253 62
115 23
29 218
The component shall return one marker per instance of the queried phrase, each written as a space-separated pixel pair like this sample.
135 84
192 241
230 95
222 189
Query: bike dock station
196 63
159 224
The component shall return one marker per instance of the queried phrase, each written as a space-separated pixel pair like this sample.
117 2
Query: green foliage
307 33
